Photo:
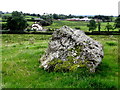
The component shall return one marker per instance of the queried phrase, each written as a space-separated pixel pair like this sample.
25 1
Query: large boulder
70 49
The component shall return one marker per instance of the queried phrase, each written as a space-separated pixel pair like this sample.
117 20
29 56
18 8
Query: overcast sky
75 7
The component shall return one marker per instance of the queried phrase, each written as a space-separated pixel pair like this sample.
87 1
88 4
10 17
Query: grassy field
29 17
20 67
72 24
30 23
7 14
78 24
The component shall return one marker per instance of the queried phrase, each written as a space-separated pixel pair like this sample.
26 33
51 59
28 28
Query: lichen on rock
70 49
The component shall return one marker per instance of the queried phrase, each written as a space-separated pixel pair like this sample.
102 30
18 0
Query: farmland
59 23
20 67
73 24
77 24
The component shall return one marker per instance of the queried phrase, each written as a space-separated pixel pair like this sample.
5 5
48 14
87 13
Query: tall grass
20 67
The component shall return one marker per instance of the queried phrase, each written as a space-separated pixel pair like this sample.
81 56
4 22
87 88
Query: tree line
62 16
93 25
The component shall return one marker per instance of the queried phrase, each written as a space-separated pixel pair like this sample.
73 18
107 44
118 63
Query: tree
47 19
70 16
92 25
108 27
80 16
16 22
117 23
99 26
55 16
104 18
4 27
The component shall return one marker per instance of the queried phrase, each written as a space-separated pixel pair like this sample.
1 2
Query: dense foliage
117 23
16 22
99 26
92 25
108 27
47 20
104 18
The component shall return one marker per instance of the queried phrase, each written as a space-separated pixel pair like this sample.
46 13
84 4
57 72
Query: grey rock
73 46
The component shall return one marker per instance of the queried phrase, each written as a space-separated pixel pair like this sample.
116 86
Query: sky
74 7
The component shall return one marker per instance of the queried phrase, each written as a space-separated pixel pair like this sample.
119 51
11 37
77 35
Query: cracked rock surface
70 49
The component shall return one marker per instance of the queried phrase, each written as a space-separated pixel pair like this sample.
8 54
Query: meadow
20 66
82 25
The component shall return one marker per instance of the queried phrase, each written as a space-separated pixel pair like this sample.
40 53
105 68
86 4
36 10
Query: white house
85 19
36 27
73 19
38 19
78 19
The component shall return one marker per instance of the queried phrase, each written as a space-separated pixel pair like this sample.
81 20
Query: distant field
72 24
3 22
20 67
30 23
27 16
7 14
78 24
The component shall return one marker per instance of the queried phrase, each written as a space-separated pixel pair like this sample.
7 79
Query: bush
77 28
51 29
92 25
110 43
45 23
4 26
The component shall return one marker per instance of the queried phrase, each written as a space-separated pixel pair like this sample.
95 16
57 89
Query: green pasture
78 24
27 16
20 66
3 22
7 14
30 23
72 24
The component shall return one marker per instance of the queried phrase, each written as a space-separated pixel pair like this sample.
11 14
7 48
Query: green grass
3 22
27 16
78 24
72 24
20 67
30 23
7 14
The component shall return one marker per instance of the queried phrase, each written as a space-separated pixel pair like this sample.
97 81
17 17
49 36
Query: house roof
85 19
78 19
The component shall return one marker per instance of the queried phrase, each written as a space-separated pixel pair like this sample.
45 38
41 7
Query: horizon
66 7
59 14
